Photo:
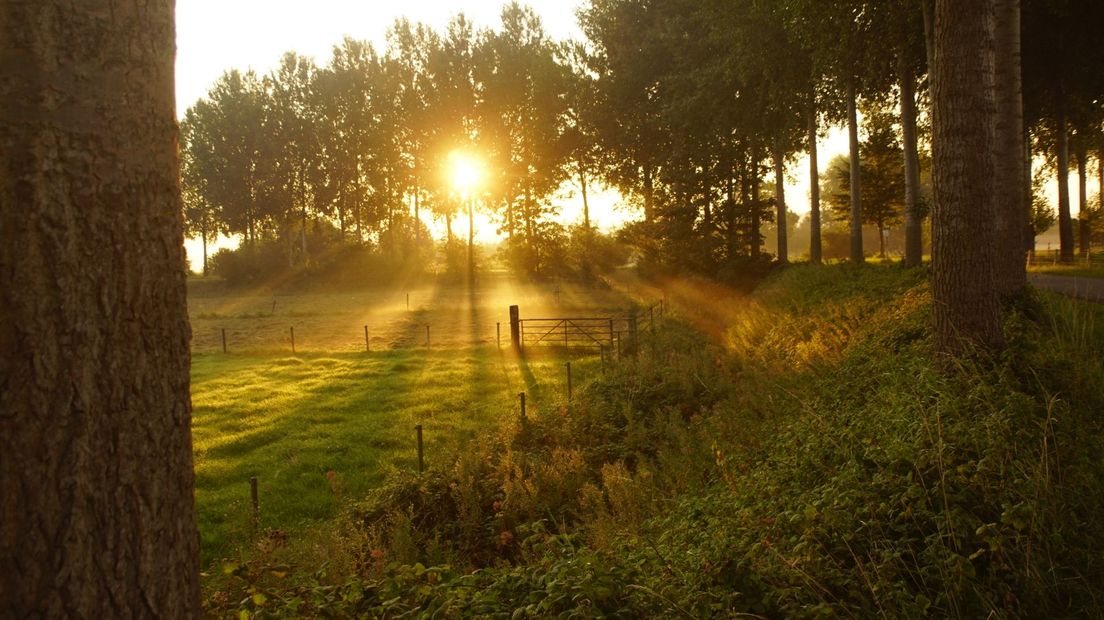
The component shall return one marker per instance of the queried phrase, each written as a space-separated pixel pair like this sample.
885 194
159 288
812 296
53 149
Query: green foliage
455 258
339 264
1043 216
820 464
562 580
591 253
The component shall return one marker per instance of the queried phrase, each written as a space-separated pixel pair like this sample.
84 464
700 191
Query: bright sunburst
465 171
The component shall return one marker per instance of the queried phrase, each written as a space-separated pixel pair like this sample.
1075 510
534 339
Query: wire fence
267 334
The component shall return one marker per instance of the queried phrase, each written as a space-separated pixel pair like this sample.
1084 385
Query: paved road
1090 289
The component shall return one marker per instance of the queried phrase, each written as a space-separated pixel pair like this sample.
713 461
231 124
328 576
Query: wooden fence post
568 365
421 452
633 345
408 301
255 512
293 341
515 328
224 340
367 342
427 335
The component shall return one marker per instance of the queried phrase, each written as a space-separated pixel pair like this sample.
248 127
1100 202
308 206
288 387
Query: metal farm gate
599 332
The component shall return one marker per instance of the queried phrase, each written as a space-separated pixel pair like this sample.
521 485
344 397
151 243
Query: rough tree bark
965 304
914 243
856 183
97 518
815 251
780 200
1009 211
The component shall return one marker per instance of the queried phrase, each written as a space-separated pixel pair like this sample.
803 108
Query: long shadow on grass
483 379
288 421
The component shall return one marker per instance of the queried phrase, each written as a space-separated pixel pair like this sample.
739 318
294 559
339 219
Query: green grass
1079 268
322 430
1080 271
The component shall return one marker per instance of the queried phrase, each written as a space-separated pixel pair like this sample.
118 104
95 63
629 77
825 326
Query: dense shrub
334 259
341 265
573 252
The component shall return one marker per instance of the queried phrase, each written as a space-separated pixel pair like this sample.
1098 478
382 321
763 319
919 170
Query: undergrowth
818 463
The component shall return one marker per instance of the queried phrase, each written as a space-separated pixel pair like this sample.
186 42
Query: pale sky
216 35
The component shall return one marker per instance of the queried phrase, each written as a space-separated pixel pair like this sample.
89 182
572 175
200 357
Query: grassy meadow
323 427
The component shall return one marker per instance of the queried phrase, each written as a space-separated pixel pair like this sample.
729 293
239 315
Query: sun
466 171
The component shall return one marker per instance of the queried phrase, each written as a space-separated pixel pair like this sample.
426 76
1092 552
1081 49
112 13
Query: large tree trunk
1065 224
927 14
1083 201
780 200
97 517
510 219
1028 197
914 238
417 220
964 295
471 241
755 224
303 222
815 251
203 234
649 189
586 205
1009 210
732 215
856 183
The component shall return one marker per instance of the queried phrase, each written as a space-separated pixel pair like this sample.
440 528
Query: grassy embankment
816 461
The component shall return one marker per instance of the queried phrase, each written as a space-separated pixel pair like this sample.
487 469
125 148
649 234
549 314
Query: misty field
320 428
